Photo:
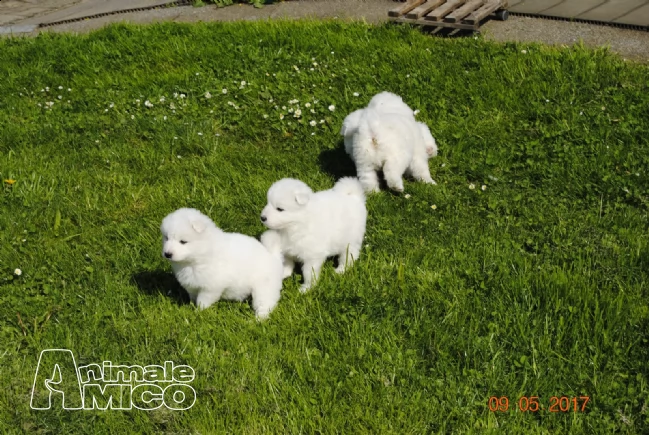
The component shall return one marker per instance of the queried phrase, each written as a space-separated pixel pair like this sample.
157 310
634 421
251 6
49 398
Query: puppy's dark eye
182 242
280 209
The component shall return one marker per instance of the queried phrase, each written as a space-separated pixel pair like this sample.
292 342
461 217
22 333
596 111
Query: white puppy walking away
308 227
385 136
211 264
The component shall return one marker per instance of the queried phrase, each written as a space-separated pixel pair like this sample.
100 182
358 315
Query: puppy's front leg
310 271
289 265
205 299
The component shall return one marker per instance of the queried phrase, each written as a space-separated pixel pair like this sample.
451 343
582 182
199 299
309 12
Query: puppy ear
198 226
302 197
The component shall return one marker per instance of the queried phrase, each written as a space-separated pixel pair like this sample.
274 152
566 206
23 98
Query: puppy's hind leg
311 272
368 178
393 171
347 258
265 297
420 170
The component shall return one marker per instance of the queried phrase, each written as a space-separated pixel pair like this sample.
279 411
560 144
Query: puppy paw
304 288
262 314
287 272
429 181
340 269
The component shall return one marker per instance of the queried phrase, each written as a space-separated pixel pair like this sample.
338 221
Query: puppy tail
272 241
350 186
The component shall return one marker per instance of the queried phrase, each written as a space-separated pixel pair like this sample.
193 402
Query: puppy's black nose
263 218
168 254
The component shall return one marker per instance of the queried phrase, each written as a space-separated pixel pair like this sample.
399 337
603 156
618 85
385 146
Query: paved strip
631 12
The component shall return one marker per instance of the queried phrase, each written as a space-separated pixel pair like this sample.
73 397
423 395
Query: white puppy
212 264
308 227
385 136
394 143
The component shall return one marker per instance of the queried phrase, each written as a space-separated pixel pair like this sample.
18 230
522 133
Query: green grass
535 286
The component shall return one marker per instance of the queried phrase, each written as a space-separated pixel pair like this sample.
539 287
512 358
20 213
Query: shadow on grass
337 163
158 282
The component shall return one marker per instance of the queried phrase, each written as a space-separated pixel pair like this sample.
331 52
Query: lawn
522 274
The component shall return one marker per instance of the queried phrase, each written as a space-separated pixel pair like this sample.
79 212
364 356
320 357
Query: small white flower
208 95
200 134
230 103
180 157
97 141
311 69
60 97
293 102
281 116
322 121
111 105
484 187
290 110
547 101
298 113
283 107
265 116
356 94
132 116
162 99
313 134
172 106
270 101
198 74
147 103
164 118
47 88
18 272
313 123
312 111
408 76
182 96
137 101
524 51
243 82
332 52
175 94
407 195
49 103
307 105
434 207
175 137
471 186
332 108
69 90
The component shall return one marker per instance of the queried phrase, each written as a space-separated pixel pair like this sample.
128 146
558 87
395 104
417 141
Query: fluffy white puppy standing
385 136
394 143
211 264
308 227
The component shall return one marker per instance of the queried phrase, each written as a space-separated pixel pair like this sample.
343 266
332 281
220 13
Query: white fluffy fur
385 136
308 227
212 264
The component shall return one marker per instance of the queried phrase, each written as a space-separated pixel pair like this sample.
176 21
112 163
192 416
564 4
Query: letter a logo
56 373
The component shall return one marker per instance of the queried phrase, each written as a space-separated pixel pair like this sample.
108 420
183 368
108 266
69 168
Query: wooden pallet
456 14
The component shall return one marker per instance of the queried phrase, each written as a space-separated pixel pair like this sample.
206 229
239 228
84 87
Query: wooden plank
462 12
422 10
444 10
438 24
485 10
405 8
